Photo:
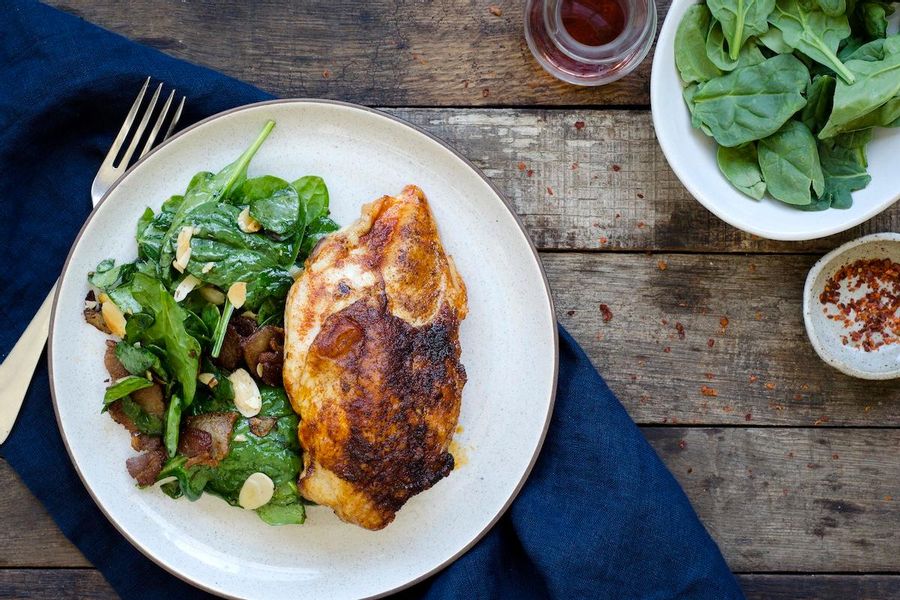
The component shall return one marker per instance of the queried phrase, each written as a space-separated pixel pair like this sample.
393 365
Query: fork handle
17 369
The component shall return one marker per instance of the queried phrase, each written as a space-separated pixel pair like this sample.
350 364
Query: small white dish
509 349
825 334
692 156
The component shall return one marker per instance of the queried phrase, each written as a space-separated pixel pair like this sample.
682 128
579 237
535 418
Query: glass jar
607 57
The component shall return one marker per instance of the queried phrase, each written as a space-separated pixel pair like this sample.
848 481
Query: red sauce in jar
593 22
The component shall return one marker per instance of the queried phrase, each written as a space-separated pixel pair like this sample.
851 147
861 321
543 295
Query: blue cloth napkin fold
600 516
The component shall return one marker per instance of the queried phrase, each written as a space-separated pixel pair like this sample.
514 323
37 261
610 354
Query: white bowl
825 334
692 155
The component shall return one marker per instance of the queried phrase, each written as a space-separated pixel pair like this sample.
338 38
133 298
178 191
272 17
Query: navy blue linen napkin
600 516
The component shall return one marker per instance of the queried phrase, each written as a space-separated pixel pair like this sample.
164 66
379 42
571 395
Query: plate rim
398 120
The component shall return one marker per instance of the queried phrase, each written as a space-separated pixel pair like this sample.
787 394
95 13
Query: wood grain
598 180
787 500
742 357
380 52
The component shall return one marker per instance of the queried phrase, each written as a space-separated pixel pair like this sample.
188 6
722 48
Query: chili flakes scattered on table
872 320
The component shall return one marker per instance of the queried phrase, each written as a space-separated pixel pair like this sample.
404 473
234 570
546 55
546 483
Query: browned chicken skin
372 361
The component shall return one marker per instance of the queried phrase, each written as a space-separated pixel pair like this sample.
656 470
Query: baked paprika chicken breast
372 361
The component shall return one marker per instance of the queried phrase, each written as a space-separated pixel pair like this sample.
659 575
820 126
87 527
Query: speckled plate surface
509 348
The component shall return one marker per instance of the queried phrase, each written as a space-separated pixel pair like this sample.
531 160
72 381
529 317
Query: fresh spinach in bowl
195 363
791 90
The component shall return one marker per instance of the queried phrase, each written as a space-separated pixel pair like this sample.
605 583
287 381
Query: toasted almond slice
114 318
240 438
208 267
183 248
208 379
247 398
247 223
237 293
185 287
212 295
257 490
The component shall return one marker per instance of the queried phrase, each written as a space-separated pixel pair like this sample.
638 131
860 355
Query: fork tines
150 140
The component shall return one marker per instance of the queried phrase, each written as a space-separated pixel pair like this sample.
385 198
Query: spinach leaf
690 41
873 18
168 331
844 163
313 197
145 422
751 102
218 337
139 360
190 481
741 19
208 188
818 102
123 387
773 39
832 8
152 228
877 84
740 166
107 276
812 32
715 50
688 94
790 164
315 231
173 425
273 202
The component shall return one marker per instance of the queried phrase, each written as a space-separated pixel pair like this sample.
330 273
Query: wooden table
793 467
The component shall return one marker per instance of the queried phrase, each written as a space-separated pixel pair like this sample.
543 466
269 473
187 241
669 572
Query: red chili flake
662 265
870 312
682 444
618 216
495 10
326 74
529 172
640 224
748 417
753 378
680 329
549 190
834 457
798 397
709 376
710 342
574 165
607 314
888 498
640 195
821 420
616 168
723 322
665 321
667 349
604 240
521 166
770 386
708 391
727 409
485 92
579 125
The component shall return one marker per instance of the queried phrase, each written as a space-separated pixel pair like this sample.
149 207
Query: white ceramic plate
509 348
692 155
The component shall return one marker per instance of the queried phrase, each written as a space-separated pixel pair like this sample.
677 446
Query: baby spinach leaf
144 421
740 20
812 32
123 387
818 102
718 55
844 163
107 276
773 39
168 331
740 166
877 83
315 231
138 360
208 188
152 228
873 18
751 102
173 425
190 481
690 41
832 8
273 202
313 197
790 164
688 94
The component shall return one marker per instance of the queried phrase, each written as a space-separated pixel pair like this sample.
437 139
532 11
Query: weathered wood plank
28 536
820 587
776 499
605 185
742 357
55 584
792 500
381 52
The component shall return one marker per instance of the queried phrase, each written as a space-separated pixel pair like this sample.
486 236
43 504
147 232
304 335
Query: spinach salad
195 363
791 90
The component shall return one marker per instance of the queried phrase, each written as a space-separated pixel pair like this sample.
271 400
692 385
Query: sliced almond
208 267
208 379
247 398
240 438
114 318
185 287
247 223
183 248
237 293
212 295
257 490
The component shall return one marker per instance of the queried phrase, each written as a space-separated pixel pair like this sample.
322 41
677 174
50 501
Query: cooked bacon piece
239 329
265 347
118 415
261 426
115 369
142 441
207 437
151 400
145 467
194 442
